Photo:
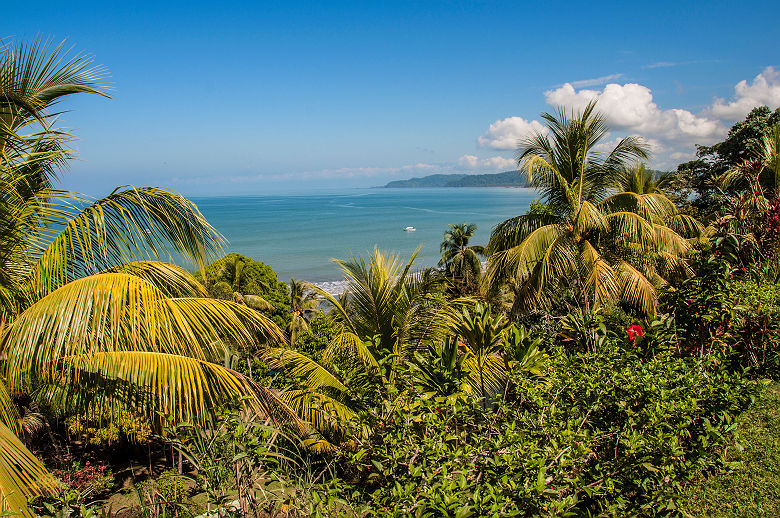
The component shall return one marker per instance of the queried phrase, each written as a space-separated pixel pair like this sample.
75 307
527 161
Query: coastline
335 288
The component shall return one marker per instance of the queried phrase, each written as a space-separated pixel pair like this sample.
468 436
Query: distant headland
505 179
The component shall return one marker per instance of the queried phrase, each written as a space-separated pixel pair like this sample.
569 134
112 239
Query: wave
335 288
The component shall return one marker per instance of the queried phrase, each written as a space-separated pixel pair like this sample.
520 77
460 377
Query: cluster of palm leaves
304 304
461 262
92 317
608 234
399 335
386 317
751 185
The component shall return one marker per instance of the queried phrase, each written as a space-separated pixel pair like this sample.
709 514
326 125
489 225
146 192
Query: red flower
635 330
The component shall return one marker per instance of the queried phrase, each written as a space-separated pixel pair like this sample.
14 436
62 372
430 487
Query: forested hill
505 179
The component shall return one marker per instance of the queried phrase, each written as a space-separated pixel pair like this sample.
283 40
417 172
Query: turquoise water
299 235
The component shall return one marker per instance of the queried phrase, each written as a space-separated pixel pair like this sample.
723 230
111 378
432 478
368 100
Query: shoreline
335 288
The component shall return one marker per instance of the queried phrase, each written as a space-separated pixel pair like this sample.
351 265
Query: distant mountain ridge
505 179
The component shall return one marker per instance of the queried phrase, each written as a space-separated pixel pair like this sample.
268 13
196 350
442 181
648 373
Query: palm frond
78 239
152 383
22 476
120 312
311 373
170 279
323 412
635 288
349 347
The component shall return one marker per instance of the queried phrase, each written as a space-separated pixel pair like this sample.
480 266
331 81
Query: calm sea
298 235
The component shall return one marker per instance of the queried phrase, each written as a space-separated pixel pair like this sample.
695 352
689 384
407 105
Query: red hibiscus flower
635 331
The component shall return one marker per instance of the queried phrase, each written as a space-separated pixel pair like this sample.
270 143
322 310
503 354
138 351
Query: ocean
299 235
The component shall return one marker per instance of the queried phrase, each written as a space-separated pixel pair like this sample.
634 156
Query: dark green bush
241 274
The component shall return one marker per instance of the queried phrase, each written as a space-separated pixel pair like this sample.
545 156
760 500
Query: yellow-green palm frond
384 298
78 238
312 374
671 265
255 302
22 476
686 226
151 383
349 348
630 227
170 279
589 218
9 412
35 76
600 277
558 260
214 320
635 288
120 312
670 241
520 260
556 265
539 165
512 232
323 412
493 371
651 206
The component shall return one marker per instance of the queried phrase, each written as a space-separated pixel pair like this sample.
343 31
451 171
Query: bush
612 433
89 479
241 274
758 314
322 330
165 496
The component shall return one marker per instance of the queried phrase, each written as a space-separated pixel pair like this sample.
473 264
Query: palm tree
645 192
461 262
593 240
761 171
304 303
386 318
232 267
88 312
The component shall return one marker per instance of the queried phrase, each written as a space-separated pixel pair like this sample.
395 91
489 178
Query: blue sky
229 98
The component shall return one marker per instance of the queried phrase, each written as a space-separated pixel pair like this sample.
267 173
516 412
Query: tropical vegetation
603 363
91 321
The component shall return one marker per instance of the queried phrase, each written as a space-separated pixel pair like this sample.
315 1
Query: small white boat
410 229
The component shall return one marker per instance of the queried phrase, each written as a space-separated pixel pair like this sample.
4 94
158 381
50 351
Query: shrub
241 274
614 433
758 314
88 480
165 496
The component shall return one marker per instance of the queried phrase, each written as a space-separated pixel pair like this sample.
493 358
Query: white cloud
765 90
469 161
493 162
595 81
505 134
630 108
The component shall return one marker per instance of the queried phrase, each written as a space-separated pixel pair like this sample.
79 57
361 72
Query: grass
752 487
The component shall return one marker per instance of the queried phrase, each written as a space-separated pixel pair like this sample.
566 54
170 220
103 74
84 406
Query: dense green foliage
697 183
237 275
613 433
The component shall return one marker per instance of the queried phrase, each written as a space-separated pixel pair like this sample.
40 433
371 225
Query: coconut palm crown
594 241
459 259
